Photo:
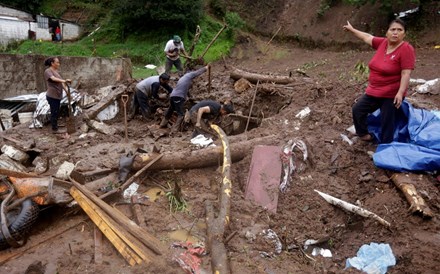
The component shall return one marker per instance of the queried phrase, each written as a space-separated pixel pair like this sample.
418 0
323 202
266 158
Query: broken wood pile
135 244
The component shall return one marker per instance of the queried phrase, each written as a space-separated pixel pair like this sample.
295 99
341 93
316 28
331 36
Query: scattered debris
288 158
352 208
270 236
417 203
373 258
189 259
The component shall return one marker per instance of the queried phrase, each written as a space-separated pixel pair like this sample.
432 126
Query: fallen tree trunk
210 156
92 112
237 74
417 203
216 226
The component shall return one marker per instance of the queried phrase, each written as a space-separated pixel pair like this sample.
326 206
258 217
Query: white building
17 25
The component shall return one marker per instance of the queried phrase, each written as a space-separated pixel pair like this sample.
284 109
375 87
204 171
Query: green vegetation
135 29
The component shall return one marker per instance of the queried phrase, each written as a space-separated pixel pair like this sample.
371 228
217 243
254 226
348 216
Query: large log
417 203
216 226
237 74
210 156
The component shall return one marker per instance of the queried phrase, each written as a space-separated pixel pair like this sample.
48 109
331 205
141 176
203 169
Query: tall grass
142 48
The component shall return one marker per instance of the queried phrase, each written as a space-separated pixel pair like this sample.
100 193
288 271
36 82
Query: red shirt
386 69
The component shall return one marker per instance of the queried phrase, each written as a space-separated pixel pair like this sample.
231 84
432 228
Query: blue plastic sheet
416 145
373 259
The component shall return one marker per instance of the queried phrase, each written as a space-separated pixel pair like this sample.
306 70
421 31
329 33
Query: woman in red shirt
390 70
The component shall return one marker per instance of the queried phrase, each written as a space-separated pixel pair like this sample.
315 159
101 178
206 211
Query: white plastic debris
351 129
346 139
201 141
428 86
151 66
130 191
322 251
303 113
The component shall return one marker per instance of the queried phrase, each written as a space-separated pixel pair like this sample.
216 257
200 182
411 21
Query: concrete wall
23 74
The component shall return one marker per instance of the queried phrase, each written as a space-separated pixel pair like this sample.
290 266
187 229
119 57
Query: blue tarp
416 145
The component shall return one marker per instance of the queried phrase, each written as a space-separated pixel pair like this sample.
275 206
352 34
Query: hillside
328 82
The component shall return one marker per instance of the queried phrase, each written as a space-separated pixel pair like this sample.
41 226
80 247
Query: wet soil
328 83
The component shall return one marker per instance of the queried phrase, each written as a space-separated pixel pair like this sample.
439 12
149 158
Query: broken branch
417 203
353 208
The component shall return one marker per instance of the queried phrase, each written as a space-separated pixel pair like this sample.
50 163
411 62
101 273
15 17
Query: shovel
70 123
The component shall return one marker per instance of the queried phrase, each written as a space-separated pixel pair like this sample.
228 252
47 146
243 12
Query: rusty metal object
124 99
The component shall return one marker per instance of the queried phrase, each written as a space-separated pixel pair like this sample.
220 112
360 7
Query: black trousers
176 104
54 105
368 104
141 101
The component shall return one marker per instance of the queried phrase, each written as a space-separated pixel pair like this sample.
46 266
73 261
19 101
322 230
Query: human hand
198 124
68 81
398 100
348 27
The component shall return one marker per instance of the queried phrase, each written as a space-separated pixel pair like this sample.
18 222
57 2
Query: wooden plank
131 241
130 256
146 238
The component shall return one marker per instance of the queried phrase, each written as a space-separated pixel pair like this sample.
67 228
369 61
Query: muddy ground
328 83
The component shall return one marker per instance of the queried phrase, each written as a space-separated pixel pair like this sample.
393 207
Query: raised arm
366 37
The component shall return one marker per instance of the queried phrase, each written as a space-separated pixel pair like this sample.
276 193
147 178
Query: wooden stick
417 203
212 41
146 238
353 208
99 218
252 106
267 45
132 178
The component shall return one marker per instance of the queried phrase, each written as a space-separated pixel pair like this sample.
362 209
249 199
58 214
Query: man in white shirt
173 49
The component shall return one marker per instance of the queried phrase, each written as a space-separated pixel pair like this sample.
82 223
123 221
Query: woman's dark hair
48 62
398 21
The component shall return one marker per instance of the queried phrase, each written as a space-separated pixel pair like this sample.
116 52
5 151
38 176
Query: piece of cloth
54 89
145 90
150 86
373 258
214 108
416 145
177 63
368 104
385 69
184 83
54 111
172 47
176 104
141 101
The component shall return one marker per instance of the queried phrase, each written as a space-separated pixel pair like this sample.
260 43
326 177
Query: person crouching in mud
206 112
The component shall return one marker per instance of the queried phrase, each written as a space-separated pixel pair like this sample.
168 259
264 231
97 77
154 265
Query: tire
20 220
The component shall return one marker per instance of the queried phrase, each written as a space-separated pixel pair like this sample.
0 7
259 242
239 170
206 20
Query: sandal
367 137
